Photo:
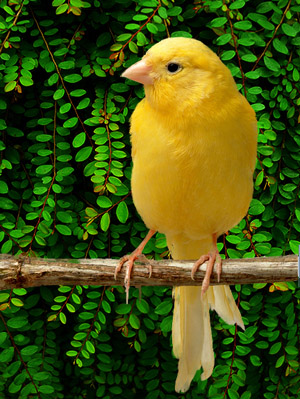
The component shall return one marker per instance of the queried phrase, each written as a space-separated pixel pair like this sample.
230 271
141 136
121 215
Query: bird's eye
173 67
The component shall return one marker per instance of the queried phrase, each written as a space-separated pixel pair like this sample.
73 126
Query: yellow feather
194 151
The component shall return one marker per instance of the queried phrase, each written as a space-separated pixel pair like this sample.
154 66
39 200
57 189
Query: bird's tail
191 330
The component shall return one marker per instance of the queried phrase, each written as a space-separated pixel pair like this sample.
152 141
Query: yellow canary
194 150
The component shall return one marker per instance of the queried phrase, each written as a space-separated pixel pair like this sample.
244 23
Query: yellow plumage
194 149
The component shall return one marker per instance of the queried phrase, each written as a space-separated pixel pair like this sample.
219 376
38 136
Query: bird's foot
213 258
129 261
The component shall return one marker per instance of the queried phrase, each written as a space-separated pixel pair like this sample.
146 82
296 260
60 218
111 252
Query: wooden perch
23 271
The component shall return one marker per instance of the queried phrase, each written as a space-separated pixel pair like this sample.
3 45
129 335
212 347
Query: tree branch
23 271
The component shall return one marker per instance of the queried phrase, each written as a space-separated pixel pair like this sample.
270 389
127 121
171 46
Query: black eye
173 67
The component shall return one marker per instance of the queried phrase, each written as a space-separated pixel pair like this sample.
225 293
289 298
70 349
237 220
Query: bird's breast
192 180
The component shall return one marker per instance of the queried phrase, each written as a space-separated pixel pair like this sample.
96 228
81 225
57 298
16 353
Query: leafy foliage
65 192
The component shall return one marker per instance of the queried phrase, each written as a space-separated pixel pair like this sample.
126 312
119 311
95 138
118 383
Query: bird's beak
139 72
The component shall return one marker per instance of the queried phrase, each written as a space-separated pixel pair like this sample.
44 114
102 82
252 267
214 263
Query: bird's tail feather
191 330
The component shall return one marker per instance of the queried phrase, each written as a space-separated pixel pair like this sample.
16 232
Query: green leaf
29 350
78 93
79 140
73 78
237 4
10 86
166 324
164 308
255 360
233 394
162 12
6 355
64 217
17 322
224 39
26 81
227 55
61 9
70 122
104 202
279 361
122 212
120 87
141 38
41 376
271 64
142 305
3 337
218 22
134 321
249 57
65 108
66 64
44 137
173 11
71 353
152 28
291 350
6 247
47 389
289 30
256 207
105 222
3 187
83 103
59 93
63 229
3 296
90 347
123 308
6 203
280 46
294 245
124 37
44 169
83 154
133 47
53 79
62 318
243 25
45 122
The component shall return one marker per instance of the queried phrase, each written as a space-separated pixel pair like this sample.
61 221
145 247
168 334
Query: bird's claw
143 259
212 258
128 261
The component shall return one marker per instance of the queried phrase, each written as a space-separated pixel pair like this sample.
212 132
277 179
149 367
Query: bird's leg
130 259
212 258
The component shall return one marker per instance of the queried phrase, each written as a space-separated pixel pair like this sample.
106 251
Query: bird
194 142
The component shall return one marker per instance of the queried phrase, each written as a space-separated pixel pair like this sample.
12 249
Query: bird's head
181 73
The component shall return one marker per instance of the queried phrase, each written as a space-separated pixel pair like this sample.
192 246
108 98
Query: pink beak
139 72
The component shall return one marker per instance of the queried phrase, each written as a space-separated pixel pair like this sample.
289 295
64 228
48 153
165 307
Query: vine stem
19 354
141 27
273 36
14 23
60 77
91 325
52 181
109 209
233 352
108 138
237 52
115 55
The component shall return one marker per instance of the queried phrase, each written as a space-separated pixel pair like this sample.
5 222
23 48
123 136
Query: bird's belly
190 200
